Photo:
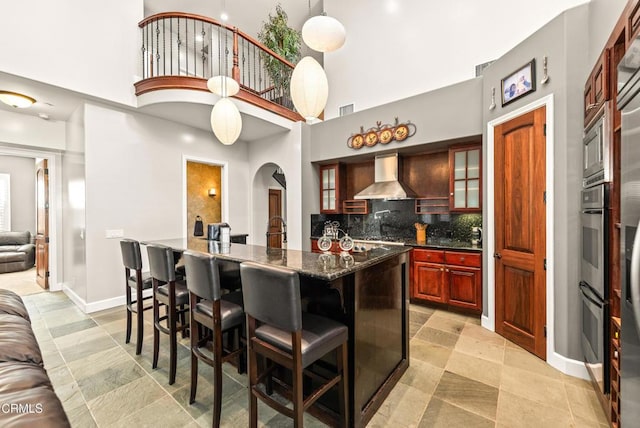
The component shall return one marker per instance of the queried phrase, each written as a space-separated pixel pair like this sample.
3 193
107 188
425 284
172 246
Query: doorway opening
269 216
49 252
205 193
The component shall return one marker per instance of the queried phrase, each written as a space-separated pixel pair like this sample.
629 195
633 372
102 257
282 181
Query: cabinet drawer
463 259
433 256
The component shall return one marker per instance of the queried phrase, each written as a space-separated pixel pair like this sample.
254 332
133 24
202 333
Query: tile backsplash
396 220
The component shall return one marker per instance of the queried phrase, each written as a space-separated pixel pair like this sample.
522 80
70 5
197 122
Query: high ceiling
58 103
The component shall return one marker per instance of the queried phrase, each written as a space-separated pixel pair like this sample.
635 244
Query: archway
269 200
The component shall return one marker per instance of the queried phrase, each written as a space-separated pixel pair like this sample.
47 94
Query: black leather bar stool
279 331
135 283
210 309
173 294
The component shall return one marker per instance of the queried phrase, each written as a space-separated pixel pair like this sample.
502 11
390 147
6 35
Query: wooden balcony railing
182 51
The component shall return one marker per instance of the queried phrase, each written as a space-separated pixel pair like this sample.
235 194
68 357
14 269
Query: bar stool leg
217 373
140 320
156 320
343 388
128 336
173 340
297 397
253 374
195 338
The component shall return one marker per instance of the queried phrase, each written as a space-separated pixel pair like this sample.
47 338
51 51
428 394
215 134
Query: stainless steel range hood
387 185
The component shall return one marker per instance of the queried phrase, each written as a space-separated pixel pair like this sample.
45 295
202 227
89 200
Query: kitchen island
368 292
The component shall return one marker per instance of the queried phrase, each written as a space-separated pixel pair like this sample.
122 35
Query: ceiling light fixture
226 121
15 99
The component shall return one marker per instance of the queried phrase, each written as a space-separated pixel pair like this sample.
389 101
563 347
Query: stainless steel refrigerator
629 100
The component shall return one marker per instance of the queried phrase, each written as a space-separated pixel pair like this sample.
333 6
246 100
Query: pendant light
226 121
309 88
323 33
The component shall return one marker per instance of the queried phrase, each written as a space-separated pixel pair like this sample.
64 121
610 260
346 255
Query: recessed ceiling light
15 99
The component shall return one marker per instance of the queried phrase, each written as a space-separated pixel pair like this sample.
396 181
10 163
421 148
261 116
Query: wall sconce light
545 75
212 192
493 99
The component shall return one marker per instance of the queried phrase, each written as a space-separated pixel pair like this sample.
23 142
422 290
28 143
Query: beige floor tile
404 406
584 404
471 395
420 308
164 412
484 371
579 422
422 376
479 349
81 417
99 361
453 325
527 361
483 335
440 414
517 412
534 387
451 315
429 352
116 404
576 381
439 337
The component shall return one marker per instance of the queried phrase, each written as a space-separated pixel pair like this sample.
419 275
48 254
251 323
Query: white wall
134 182
25 130
396 49
285 151
87 46
22 172
74 207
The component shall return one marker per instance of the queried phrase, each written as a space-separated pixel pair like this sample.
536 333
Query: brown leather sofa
27 398
16 251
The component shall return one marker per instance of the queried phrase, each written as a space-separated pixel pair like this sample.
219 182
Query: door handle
497 255
635 277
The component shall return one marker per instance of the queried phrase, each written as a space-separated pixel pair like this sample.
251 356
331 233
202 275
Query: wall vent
481 67
346 109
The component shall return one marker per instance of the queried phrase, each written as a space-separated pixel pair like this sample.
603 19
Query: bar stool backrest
131 257
272 295
203 278
161 263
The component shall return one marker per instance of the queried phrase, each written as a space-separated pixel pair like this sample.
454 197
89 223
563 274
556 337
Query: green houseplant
286 42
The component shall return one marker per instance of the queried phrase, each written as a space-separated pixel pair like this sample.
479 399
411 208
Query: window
5 203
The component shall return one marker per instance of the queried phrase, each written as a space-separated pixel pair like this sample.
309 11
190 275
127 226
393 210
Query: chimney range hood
387 184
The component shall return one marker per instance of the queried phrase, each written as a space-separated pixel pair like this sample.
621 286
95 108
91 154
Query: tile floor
460 375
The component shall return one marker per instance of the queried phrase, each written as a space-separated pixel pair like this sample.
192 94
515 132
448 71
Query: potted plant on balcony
286 42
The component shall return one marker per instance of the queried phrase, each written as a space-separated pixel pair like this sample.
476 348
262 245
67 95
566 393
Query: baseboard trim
487 323
100 305
568 366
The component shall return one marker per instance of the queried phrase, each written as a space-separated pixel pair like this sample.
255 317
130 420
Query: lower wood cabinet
451 278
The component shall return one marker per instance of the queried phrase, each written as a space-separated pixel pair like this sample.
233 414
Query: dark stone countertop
322 266
436 243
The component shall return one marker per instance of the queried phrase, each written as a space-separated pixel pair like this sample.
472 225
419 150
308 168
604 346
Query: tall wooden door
42 224
275 225
520 238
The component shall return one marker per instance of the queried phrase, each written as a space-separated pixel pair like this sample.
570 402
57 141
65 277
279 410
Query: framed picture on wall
519 83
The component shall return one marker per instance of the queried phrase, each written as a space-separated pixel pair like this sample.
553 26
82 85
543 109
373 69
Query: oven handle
584 286
635 277
592 211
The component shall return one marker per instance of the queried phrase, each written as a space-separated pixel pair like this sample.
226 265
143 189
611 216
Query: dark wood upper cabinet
596 88
465 179
332 188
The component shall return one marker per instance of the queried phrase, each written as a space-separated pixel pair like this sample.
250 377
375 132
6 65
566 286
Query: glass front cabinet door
331 189
466 179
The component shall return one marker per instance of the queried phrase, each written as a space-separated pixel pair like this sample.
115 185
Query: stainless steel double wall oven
593 285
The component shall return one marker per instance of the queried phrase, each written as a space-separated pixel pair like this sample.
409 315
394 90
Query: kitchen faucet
378 214
283 233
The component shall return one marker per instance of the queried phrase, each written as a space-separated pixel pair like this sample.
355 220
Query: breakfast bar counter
368 292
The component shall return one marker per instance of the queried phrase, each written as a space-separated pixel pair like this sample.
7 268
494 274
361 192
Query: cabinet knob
447 270
461 259
441 269
428 256
451 194
497 255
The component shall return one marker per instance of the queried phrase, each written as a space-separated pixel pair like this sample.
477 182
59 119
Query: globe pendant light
309 88
226 121
323 33
223 86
